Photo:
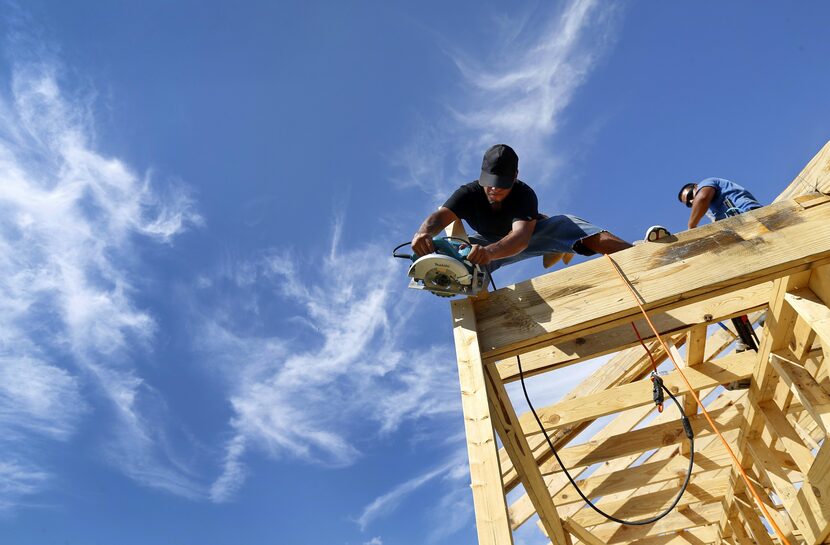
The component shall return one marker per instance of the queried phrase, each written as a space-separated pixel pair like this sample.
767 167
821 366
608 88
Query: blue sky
203 338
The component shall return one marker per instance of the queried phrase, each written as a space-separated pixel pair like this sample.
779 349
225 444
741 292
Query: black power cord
657 394
686 426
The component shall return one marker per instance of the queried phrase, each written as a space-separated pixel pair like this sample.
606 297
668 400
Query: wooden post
513 439
485 473
695 350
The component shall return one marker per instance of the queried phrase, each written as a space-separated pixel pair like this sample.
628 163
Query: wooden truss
772 264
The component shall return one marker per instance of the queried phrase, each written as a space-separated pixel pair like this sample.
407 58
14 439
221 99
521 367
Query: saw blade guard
445 272
440 271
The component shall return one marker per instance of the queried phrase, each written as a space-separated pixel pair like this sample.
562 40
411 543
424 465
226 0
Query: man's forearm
433 224
703 198
422 241
696 215
509 246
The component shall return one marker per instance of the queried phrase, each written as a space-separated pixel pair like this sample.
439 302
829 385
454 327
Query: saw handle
459 249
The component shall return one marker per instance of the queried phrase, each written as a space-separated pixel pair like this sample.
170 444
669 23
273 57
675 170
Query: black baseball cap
499 167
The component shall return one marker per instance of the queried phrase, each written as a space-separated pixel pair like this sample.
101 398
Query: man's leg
566 234
605 243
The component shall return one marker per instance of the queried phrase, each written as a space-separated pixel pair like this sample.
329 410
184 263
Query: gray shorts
563 233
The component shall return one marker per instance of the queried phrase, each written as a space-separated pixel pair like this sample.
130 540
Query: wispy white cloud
516 95
389 501
233 471
374 541
532 84
338 359
452 510
139 441
69 216
37 398
19 480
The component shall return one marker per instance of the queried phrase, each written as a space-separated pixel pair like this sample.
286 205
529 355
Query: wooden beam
627 366
637 394
780 515
819 475
708 458
810 432
760 245
802 340
812 310
695 355
644 439
740 533
820 283
580 346
708 455
642 506
817 364
813 398
752 519
510 431
812 501
521 509
488 495
581 533
814 177
702 535
781 428
705 534
690 516
772 472
810 505
775 336
663 471
805 506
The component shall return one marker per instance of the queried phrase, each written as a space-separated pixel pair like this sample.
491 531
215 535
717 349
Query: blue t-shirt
728 195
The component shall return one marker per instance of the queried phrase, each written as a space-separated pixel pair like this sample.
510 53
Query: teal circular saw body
446 271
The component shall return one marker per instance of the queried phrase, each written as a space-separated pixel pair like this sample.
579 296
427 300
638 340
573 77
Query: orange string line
697 400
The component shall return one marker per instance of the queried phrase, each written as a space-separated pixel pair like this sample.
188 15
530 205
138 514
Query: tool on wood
446 271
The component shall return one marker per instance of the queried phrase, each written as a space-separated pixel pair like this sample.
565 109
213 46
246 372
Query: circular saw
446 272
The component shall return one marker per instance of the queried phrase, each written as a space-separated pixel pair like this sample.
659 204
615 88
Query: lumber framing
773 264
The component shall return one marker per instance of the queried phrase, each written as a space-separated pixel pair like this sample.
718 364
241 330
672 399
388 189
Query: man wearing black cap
504 212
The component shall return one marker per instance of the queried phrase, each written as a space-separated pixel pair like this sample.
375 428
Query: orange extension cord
697 400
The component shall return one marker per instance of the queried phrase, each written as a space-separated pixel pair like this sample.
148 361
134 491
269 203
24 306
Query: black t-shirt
469 202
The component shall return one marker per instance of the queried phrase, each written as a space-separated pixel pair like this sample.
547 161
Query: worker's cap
499 167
